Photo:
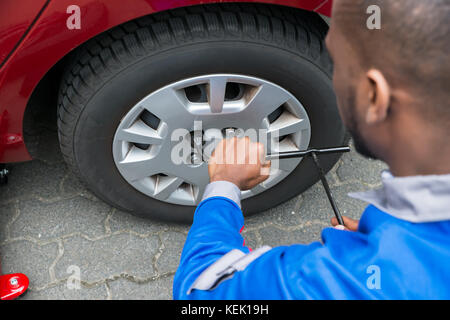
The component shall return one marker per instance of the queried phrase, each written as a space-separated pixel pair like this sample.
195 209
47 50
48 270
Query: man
392 87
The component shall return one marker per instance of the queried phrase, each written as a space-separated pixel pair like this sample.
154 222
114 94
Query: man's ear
379 97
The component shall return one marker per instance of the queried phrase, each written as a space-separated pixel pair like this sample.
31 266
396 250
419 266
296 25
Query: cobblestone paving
49 223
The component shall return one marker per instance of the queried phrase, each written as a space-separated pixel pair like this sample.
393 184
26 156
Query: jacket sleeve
215 232
334 269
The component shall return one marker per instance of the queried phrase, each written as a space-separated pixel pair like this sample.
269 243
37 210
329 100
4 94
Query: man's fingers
349 223
254 182
241 161
261 153
265 169
334 222
239 151
225 152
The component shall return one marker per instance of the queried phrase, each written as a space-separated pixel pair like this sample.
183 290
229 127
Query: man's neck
419 152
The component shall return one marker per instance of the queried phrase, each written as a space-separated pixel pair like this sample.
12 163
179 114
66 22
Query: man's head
393 81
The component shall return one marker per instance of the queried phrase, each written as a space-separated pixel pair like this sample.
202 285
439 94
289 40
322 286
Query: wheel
251 67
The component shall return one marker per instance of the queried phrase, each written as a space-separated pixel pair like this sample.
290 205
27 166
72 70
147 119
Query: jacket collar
414 198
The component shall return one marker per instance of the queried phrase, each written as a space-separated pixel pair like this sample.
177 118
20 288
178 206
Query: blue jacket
387 258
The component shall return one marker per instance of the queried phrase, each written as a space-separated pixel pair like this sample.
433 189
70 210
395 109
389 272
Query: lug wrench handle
314 153
335 208
299 154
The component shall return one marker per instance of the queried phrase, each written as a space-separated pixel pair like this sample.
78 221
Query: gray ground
50 225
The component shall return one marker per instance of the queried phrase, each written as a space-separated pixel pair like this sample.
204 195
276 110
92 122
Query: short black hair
411 48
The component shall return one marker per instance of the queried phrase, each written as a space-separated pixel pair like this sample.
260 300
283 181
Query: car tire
114 71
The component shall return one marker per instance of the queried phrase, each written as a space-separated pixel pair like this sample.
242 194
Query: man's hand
240 161
350 224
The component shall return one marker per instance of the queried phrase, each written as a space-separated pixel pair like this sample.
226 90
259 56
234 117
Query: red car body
34 37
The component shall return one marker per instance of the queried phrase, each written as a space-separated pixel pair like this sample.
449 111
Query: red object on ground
13 285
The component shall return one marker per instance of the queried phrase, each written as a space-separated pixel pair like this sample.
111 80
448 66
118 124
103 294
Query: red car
127 74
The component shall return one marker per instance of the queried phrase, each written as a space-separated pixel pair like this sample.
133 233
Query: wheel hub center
226 106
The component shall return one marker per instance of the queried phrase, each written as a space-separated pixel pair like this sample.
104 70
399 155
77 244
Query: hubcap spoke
265 100
287 124
165 186
216 93
198 192
169 105
134 170
139 133
196 176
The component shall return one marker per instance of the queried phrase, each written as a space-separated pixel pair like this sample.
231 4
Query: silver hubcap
142 145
